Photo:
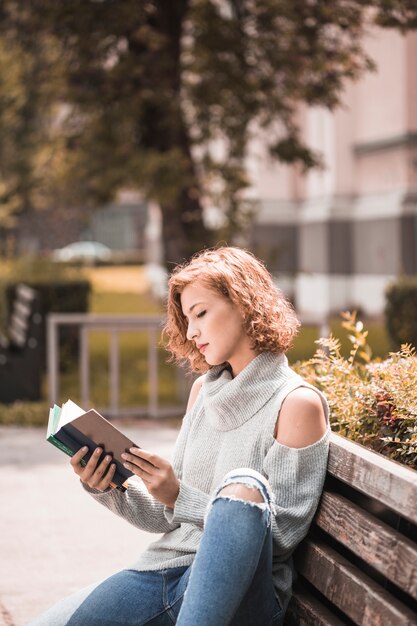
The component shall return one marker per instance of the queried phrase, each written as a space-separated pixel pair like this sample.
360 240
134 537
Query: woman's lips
202 347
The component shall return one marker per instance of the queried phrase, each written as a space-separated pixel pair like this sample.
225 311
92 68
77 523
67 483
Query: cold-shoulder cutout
195 390
302 418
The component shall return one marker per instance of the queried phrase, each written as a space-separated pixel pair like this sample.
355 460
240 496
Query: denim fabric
231 577
132 598
229 583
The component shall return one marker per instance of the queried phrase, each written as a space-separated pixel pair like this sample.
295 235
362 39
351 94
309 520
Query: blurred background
135 133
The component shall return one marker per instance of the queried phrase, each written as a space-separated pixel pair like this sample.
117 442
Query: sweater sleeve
190 506
142 510
296 476
135 505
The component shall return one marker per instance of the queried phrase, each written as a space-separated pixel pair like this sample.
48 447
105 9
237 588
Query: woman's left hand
156 473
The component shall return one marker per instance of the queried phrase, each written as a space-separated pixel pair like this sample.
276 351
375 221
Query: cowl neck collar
230 402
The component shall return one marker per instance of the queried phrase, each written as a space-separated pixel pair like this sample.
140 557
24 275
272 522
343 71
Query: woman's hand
96 475
156 473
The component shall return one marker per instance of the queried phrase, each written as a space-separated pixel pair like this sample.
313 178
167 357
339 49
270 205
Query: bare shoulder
195 390
301 420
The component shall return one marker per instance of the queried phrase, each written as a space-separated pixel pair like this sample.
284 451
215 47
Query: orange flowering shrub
372 401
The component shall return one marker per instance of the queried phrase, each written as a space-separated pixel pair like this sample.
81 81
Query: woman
248 469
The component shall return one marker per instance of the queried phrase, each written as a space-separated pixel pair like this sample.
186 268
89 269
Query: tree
165 95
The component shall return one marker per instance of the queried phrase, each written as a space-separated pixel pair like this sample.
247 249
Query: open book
70 428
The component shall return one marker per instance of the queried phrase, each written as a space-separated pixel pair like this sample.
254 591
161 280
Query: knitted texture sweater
231 426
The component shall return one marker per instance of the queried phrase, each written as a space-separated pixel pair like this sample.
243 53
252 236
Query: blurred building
336 237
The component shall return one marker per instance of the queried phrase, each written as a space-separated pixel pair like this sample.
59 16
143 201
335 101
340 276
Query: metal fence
114 325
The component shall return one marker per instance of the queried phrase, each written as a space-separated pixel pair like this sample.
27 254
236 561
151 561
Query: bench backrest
24 318
358 564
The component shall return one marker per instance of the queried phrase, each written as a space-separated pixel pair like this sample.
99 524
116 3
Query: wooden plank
25 292
19 322
391 483
305 610
18 337
387 550
354 593
24 310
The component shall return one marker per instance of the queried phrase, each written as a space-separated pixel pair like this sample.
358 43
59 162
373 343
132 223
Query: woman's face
216 327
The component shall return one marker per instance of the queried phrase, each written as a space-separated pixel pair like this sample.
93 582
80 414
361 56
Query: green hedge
371 401
401 311
24 414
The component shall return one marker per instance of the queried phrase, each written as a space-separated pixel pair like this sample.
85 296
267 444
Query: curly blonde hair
268 317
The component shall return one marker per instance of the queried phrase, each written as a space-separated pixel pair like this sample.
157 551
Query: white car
88 251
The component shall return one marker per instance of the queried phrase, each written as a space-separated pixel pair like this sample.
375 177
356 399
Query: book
70 428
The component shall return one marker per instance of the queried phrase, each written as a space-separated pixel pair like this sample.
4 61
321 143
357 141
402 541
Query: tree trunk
183 229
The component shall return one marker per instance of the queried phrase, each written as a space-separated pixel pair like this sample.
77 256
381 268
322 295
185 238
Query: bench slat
305 610
17 336
387 550
353 592
22 309
24 292
374 475
17 321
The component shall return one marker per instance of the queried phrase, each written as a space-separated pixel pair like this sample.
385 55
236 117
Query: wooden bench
20 348
358 565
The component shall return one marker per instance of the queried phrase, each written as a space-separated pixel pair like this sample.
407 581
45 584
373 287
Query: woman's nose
191 332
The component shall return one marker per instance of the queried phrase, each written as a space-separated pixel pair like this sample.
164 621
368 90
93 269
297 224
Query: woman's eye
201 314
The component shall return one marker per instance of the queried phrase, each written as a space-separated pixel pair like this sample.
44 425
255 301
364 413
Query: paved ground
54 538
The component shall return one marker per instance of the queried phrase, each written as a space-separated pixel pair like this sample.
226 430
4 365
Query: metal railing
114 325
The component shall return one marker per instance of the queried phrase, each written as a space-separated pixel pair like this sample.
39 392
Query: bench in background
358 564
20 349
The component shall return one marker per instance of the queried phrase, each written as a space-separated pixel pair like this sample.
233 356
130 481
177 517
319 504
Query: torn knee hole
242 492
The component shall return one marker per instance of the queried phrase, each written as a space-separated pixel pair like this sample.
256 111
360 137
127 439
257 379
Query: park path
54 538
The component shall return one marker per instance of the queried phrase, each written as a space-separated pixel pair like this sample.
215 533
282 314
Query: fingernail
84 449
124 456
108 458
134 450
126 465
98 451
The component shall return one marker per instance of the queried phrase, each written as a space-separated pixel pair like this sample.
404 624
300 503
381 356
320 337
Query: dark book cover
92 430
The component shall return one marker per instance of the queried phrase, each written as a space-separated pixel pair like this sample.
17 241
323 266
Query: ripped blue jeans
229 583
231 577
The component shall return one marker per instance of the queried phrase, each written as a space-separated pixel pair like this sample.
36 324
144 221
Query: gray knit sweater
231 425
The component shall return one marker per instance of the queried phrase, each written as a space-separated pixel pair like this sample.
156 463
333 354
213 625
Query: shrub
371 401
24 414
401 311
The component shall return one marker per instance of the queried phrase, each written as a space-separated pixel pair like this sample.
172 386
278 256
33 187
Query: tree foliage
165 96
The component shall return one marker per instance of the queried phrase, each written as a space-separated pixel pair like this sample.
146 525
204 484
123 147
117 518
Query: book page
53 420
69 412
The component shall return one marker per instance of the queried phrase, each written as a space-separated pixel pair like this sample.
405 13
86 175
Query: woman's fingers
96 473
149 467
133 462
97 476
156 472
76 459
146 461
105 482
